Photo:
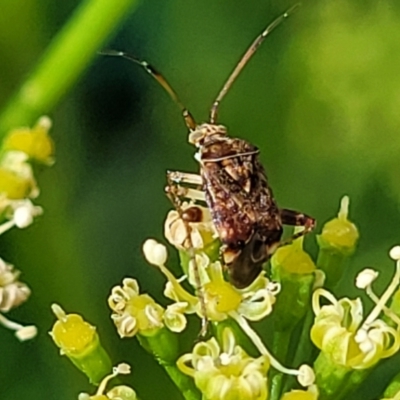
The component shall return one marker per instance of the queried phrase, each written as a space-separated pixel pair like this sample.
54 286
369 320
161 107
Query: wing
237 192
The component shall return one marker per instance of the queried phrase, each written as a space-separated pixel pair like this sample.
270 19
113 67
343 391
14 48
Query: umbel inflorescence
20 149
317 346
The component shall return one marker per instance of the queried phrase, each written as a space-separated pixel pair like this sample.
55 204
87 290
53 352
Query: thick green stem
65 59
330 377
164 347
280 348
183 382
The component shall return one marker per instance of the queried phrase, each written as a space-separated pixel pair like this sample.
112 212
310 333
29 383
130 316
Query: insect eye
192 214
196 136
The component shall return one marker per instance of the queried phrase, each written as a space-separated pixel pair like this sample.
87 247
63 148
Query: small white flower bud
366 277
26 333
122 368
24 214
394 253
154 252
45 122
306 375
224 359
361 335
364 342
23 217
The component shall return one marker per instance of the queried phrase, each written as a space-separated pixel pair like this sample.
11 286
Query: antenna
187 116
245 59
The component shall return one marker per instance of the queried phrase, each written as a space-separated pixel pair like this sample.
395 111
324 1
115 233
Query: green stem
183 382
164 346
276 386
280 347
65 59
330 377
354 381
304 350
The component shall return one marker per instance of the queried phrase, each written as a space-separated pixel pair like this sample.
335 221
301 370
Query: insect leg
294 218
184 177
187 116
176 193
179 192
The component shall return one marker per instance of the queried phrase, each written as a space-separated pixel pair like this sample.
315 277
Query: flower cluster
330 341
20 149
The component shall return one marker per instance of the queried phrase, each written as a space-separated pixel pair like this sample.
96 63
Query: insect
232 182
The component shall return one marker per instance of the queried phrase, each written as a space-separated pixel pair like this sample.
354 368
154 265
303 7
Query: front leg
177 192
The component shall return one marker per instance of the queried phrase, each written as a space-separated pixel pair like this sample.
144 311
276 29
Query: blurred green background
321 100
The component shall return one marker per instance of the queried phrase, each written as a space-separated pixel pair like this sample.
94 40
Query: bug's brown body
241 202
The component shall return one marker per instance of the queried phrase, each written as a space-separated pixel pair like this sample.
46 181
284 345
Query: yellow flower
220 297
343 333
34 142
222 300
16 176
134 312
226 372
138 313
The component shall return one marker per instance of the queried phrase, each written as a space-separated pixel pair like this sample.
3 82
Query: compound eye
196 136
222 129
192 214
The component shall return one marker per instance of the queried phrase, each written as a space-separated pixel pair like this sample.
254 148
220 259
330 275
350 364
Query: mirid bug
232 182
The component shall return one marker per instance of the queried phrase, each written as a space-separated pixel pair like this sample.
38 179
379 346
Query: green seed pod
294 269
79 341
337 243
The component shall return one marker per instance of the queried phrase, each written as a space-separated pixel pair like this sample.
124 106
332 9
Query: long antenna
187 116
245 59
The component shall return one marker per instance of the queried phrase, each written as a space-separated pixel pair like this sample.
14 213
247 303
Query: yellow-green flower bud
339 232
310 394
337 243
79 341
294 269
35 142
17 181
